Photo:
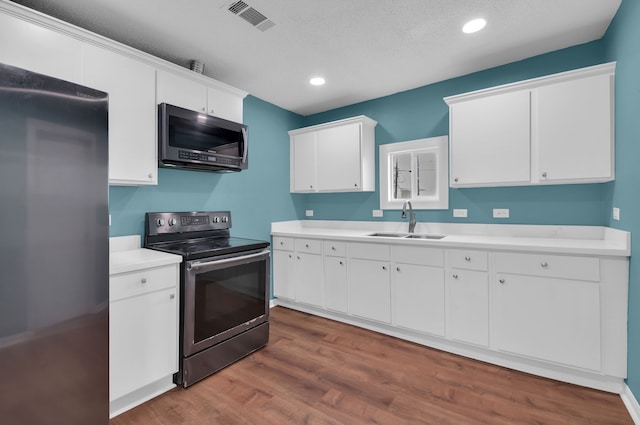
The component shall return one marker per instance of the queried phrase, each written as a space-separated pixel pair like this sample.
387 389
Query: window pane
427 164
401 176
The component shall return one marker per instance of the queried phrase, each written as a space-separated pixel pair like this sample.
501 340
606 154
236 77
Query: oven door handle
196 266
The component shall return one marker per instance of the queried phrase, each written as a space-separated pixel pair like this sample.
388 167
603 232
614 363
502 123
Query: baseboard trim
273 302
631 403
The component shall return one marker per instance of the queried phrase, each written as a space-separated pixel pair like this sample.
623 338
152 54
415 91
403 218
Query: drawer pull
544 264
341 263
290 256
397 269
384 267
306 245
455 276
467 258
143 280
281 243
501 281
172 296
333 248
298 257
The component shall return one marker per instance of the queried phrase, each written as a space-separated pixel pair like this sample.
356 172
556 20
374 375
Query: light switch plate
377 213
462 213
501 213
616 213
308 213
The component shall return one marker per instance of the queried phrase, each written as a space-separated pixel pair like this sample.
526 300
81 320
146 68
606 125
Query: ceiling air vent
249 14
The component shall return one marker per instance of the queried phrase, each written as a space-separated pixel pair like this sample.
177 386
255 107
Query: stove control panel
180 222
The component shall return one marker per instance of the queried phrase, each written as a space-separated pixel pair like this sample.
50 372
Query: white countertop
126 255
589 240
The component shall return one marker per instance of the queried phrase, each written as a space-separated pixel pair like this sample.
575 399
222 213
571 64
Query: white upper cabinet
132 113
575 130
334 157
190 93
490 140
551 130
38 49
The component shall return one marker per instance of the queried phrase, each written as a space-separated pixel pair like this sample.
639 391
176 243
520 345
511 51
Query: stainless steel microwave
197 141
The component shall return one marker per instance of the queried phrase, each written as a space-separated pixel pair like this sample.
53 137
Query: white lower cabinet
335 276
417 297
548 313
467 283
556 315
283 268
143 329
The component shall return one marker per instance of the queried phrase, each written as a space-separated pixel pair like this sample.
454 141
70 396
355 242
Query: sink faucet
412 216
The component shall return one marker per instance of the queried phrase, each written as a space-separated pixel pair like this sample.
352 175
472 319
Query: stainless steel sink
419 236
407 235
390 235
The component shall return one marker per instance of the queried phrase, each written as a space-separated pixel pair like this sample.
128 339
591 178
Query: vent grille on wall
249 14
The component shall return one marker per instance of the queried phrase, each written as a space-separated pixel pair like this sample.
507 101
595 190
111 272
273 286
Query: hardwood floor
317 371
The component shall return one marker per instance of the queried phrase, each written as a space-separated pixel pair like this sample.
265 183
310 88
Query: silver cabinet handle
397 269
143 280
384 267
333 248
501 281
467 258
172 296
196 265
544 174
298 257
544 264
341 263
455 180
306 245
203 109
290 256
455 276
211 112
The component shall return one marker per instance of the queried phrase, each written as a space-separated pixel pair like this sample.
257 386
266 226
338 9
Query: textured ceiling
364 48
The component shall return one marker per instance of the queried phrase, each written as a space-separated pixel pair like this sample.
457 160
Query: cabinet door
575 130
180 91
468 306
369 289
557 320
418 298
224 104
143 341
283 274
335 283
490 140
308 280
132 113
339 158
39 49
303 166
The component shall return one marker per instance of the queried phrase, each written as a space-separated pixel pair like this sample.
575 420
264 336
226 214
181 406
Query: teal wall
421 113
256 197
622 41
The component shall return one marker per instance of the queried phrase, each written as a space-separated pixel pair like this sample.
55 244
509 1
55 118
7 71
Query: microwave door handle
245 143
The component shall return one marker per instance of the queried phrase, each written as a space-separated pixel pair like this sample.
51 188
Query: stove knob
225 219
172 222
216 219
159 222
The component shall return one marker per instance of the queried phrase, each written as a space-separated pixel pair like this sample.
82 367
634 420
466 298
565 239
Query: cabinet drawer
335 249
285 244
566 267
468 259
418 255
369 251
127 285
312 246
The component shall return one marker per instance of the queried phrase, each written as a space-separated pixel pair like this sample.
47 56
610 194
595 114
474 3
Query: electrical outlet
501 213
462 213
308 213
616 213
377 213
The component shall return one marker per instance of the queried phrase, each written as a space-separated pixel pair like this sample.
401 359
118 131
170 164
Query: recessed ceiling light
316 81
474 25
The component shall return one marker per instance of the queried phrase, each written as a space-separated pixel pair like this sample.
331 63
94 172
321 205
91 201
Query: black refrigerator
54 251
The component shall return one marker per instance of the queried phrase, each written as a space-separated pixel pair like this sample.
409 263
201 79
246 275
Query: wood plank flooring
317 371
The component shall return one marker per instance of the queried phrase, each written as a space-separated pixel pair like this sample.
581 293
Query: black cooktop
208 247
195 235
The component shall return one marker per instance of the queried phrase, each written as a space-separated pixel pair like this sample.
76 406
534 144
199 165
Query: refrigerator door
54 261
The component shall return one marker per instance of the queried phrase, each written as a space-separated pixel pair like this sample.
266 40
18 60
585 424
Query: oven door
223 297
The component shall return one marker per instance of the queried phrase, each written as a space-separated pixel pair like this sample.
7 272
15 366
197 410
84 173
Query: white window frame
438 145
